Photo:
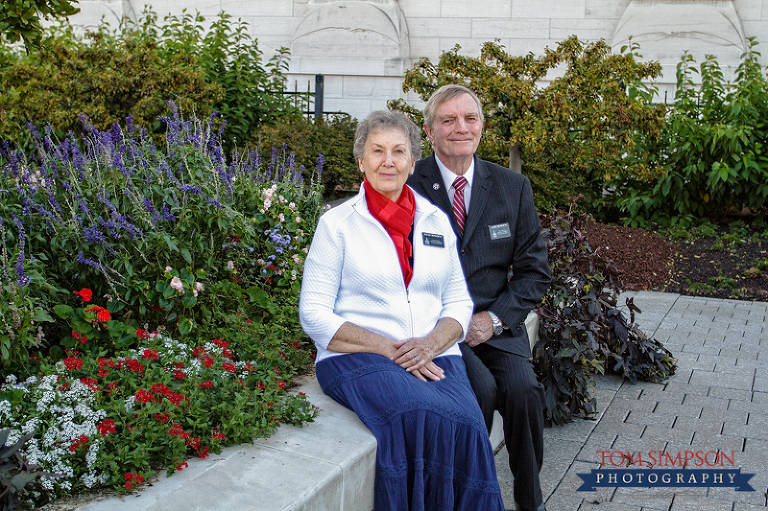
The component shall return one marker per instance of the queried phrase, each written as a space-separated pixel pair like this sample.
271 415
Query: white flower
230 265
168 269
129 403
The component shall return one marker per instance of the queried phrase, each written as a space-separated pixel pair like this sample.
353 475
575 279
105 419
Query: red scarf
397 219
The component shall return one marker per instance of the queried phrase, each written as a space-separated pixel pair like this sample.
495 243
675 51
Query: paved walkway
718 399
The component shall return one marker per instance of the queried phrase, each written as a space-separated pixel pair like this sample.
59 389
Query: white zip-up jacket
352 273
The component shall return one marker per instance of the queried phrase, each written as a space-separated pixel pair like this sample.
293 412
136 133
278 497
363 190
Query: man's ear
428 131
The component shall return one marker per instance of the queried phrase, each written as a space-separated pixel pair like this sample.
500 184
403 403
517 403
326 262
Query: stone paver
717 400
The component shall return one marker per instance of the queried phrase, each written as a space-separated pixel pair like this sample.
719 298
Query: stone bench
327 464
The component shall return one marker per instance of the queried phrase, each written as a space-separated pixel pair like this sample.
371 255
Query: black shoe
520 508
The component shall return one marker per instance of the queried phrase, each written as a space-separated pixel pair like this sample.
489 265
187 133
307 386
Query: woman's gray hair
445 93
386 120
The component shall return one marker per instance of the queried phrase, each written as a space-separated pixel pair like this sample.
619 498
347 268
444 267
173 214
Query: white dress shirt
449 177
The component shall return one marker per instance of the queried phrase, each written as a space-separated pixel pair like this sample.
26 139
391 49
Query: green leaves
575 133
714 146
20 19
582 331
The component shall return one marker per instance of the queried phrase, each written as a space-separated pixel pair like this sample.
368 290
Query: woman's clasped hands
415 356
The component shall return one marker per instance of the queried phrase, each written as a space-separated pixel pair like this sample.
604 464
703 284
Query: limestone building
363 47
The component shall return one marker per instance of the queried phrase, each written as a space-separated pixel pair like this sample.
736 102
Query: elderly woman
385 301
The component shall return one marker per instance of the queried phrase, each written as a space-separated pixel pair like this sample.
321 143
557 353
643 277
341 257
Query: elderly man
505 263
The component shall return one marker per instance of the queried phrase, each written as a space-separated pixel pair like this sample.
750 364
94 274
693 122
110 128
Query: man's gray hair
445 93
386 120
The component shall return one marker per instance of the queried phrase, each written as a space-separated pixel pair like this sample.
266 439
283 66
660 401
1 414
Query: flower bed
149 300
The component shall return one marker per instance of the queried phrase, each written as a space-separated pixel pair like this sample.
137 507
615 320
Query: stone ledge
326 464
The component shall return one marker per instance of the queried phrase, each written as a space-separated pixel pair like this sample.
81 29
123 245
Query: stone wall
363 47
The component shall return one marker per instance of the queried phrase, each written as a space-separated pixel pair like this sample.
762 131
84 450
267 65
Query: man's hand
480 329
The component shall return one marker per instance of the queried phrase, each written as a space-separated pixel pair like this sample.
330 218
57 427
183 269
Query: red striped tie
459 209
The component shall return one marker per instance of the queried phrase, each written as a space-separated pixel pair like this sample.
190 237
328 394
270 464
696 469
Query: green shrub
580 130
714 163
332 137
104 76
111 74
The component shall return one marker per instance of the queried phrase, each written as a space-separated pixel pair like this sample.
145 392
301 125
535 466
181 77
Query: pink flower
177 284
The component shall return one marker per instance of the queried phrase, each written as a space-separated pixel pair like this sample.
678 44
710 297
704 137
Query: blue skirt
433 450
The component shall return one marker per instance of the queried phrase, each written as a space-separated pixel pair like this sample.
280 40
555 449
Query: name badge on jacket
500 231
432 240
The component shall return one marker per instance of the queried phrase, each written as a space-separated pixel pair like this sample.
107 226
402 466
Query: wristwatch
498 326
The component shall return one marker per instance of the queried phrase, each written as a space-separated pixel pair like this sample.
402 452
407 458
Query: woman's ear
360 165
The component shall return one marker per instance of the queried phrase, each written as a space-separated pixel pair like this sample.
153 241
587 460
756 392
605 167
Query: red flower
90 382
142 334
142 396
73 363
102 314
132 478
82 440
179 375
106 427
219 342
203 452
150 354
178 432
229 367
207 384
162 417
176 399
85 294
215 433
134 365
159 388
181 466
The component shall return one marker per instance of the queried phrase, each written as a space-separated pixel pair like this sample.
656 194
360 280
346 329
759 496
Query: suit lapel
481 189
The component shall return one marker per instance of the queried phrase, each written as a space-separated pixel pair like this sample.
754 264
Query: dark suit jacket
507 271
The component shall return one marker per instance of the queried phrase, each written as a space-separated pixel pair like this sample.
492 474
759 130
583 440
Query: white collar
449 176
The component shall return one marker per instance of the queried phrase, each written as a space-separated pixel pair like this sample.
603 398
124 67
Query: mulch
646 261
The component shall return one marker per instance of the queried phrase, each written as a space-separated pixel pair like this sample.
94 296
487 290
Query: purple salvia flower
88 261
94 235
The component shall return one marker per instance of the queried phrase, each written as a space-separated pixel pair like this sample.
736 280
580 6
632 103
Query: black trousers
506 382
